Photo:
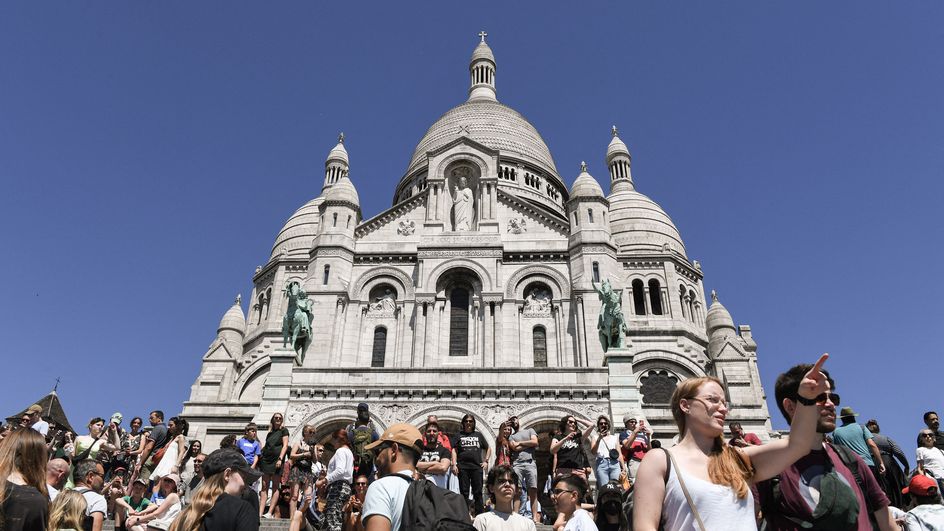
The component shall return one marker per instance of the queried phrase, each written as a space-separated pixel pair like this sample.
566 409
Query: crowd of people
825 475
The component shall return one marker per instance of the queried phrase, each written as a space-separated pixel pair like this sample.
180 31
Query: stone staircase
281 525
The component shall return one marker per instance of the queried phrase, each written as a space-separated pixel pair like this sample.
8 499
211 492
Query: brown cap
403 434
35 408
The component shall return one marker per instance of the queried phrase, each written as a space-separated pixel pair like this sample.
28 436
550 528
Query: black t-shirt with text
434 453
570 454
469 449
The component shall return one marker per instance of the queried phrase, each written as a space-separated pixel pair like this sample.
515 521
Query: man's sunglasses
821 398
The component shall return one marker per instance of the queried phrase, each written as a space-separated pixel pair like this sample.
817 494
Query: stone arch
439 271
376 274
326 418
258 369
462 156
553 277
681 366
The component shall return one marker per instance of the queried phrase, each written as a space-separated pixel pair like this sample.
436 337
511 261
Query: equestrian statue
296 325
611 324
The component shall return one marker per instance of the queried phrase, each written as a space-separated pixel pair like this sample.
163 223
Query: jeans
472 478
606 469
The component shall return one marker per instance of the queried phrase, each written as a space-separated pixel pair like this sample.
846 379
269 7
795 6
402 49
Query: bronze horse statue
611 324
296 325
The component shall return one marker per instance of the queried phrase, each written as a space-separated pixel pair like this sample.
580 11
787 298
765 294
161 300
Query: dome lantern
618 160
482 72
337 164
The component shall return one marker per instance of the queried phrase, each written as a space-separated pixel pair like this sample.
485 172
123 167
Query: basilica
478 291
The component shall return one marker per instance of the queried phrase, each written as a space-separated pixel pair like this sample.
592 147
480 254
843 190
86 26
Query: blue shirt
250 449
854 436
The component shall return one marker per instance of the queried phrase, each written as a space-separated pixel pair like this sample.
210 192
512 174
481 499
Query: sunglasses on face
360 484
558 492
927 435
821 398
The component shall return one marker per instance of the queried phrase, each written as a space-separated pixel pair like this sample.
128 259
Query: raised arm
649 492
771 459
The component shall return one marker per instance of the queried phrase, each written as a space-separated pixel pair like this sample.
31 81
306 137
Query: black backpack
430 508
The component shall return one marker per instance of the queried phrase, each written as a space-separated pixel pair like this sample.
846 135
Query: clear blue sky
151 151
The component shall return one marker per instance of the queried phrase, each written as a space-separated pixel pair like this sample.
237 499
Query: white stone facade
497 318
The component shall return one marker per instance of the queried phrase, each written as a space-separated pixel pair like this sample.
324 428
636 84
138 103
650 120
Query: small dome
616 147
343 190
482 51
585 185
639 224
718 320
338 152
233 319
299 231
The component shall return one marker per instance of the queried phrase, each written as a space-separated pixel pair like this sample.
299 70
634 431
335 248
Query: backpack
430 508
838 506
361 436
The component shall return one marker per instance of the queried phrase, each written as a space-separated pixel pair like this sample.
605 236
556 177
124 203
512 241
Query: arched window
691 305
380 347
261 308
590 215
657 386
327 271
539 342
459 322
576 220
268 302
335 217
639 298
349 221
682 302
655 297
596 271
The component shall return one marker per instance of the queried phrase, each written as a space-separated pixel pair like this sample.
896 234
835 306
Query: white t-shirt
496 521
96 503
925 518
610 442
385 498
53 492
932 459
341 466
41 426
581 521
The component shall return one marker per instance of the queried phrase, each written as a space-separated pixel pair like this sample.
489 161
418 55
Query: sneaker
268 516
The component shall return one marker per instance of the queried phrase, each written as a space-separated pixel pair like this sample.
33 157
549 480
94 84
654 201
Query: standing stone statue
297 321
611 324
462 210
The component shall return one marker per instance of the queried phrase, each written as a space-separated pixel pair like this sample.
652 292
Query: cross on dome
583 166
239 298
341 138
482 34
615 132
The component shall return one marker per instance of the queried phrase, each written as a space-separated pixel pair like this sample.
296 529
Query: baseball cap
609 490
224 458
403 434
35 408
173 477
921 485
141 481
117 418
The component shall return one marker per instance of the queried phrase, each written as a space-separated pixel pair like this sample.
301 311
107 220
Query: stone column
558 339
624 392
278 385
488 353
499 334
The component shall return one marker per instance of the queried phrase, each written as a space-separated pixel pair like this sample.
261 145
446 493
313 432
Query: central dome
491 124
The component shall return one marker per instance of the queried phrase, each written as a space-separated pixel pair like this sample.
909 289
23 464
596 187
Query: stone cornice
542 215
389 215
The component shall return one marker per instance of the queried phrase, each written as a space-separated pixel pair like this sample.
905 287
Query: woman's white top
168 461
932 459
167 518
718 505
610 442
341 466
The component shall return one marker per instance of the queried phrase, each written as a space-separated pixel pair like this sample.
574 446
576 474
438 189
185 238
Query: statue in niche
538 301
463 203
384 305
296 324
517 225
611 324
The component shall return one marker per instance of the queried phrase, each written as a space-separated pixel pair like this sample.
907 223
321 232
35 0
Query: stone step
282 525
